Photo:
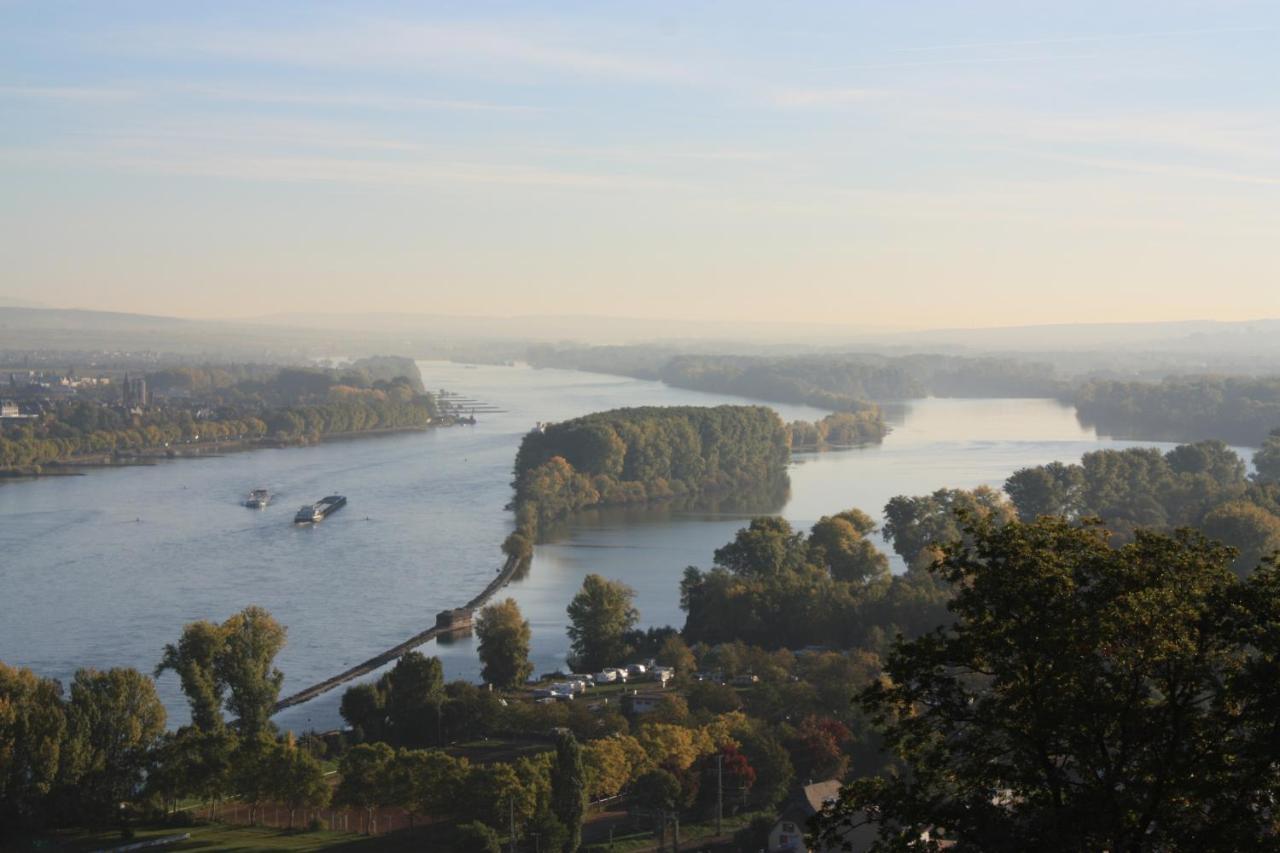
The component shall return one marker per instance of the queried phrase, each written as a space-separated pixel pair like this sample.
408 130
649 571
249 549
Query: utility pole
513 823
719 794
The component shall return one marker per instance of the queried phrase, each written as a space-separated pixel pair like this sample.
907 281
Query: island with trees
634 455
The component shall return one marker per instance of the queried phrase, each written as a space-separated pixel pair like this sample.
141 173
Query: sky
886 164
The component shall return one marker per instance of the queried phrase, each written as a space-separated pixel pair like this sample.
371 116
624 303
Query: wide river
103 570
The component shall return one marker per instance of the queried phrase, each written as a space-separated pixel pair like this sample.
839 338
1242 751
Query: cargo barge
320 510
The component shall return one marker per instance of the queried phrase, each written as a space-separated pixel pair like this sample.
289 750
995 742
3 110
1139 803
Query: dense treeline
838 429
777 587
640 454
83 428
277 385
1237 409
1200 485
1086 697
841 382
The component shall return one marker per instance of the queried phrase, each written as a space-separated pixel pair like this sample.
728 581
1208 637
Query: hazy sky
870 163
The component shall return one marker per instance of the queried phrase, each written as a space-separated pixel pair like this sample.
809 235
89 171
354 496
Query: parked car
635 670
745 680
607 676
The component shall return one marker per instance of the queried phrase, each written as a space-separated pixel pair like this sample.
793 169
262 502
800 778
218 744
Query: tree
569 790
819 747
33 726
477 837
675 653
1052 489
114 719
365 782
599 616
363 706
913 525
1251 530
252 640
414 693
766 547
1266 461
657 790
298 779
609 764
1087 697
504 644
839 543
253 772
195 659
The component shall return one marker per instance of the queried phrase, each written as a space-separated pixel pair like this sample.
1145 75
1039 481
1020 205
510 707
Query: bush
316 825
477 837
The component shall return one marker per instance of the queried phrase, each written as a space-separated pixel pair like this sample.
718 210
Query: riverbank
75 466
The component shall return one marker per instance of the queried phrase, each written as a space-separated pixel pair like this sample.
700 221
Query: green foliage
1087 697
114 718
1267 459
364 708
194 659
640 454
1200 485
504 644
251 640
600 615
365 777
916 525
839 429
657 790
475 836
1238 409
773 586
236 403
569 790
414 690
33 728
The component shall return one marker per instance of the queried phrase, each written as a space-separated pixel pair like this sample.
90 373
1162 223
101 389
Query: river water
103 570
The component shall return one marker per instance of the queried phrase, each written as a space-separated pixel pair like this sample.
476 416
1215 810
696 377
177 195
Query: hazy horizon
874 168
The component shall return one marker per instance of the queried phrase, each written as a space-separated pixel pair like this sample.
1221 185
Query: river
103 570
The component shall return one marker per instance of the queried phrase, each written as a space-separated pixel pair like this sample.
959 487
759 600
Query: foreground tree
1086 698
114 719
600 615
245 665
33 725
366 780
194 659
414 690
569 790
504 644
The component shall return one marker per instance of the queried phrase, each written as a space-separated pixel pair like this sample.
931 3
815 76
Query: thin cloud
378 44
371 101
1097 37
66 93
824 97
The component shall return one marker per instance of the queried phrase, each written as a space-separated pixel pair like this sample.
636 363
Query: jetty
448 622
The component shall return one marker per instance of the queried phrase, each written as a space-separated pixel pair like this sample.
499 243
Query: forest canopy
639 454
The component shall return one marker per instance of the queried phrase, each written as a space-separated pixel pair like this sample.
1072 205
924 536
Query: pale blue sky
889 163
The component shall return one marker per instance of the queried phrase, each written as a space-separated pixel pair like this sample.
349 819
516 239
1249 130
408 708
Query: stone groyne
447 622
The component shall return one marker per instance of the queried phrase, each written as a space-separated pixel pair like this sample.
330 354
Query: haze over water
103 570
